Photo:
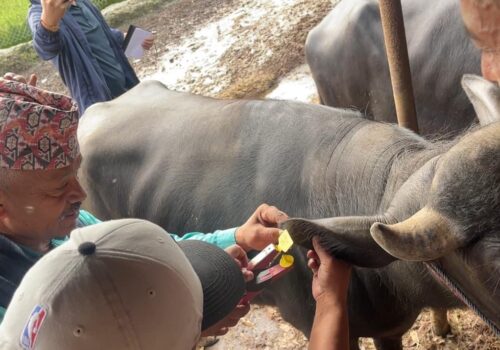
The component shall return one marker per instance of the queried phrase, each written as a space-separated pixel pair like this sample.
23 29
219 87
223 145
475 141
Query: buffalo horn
426 235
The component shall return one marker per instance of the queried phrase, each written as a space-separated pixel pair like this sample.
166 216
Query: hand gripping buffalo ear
427 235
347 238
484 96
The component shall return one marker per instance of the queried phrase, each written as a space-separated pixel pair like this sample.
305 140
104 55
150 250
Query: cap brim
221 279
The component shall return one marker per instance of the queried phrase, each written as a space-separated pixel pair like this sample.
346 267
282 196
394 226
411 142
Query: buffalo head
457 225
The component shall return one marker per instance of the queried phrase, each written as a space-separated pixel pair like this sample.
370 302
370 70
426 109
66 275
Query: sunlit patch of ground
263 328
242 53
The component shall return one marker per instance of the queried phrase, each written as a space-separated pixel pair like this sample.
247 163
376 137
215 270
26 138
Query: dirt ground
255 48
221 48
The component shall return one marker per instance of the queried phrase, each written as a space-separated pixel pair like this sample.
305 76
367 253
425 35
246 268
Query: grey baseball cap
123 284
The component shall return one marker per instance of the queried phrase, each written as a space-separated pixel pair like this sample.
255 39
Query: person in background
87 53
482 20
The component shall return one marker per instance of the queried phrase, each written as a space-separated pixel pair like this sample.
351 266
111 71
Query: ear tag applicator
260 265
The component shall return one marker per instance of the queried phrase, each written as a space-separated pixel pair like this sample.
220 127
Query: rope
440 275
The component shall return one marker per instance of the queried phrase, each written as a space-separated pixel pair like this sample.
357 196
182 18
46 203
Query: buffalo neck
370 168
372 162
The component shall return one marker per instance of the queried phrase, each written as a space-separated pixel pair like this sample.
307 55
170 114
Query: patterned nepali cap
37 128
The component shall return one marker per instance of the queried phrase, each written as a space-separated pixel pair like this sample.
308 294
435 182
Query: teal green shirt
220 238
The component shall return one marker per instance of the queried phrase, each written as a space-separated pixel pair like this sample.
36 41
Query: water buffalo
346 54
192 163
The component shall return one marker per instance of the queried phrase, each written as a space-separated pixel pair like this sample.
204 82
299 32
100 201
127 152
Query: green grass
13 28
13 25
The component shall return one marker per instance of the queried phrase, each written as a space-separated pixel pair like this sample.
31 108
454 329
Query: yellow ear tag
285 242
286 261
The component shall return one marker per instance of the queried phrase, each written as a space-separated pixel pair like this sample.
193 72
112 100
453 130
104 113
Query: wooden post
399 65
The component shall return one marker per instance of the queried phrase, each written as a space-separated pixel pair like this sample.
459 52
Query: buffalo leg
321 100
440 325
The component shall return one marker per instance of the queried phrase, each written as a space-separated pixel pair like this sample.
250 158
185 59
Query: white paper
134 48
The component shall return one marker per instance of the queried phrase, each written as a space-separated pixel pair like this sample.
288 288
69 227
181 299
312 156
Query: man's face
482 20
39 205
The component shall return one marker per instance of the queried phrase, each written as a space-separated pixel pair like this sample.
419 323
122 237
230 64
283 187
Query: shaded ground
242 48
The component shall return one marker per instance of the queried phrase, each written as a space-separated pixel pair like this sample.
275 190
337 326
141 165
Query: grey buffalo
391 198
346 54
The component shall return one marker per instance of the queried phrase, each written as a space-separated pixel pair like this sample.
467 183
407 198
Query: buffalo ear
484 96
302 231
346 238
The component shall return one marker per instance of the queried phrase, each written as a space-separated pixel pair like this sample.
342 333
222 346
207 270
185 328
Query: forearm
220 238
331 326
47 43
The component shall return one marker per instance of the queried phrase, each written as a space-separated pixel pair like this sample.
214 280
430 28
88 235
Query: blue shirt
101 48
71 53
220 238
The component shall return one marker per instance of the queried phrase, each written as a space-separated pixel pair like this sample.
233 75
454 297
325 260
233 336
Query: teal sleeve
220 238
86 219
2 313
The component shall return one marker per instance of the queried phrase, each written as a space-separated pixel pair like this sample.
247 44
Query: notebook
133 41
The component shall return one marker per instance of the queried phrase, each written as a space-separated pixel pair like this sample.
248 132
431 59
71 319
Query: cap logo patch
32 327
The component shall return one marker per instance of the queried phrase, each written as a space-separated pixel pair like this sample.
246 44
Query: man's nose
77 193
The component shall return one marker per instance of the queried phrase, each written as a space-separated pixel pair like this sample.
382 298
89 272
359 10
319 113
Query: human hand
240 257
261 229
20 78
147 44
53 11
330 276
